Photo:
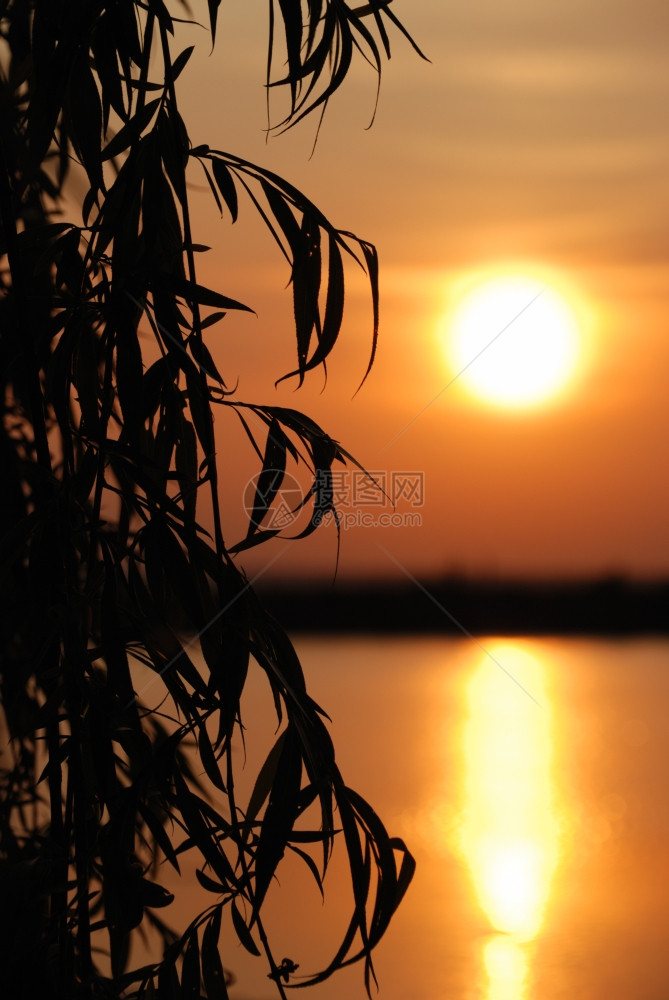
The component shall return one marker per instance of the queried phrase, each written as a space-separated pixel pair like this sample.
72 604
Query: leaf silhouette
130 628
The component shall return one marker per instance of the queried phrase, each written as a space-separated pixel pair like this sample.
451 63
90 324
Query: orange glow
530 174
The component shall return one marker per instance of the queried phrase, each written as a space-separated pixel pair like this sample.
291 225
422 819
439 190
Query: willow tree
110 562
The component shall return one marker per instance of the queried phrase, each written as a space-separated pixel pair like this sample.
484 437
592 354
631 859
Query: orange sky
538 137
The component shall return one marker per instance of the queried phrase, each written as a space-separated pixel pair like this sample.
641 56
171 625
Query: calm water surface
529 778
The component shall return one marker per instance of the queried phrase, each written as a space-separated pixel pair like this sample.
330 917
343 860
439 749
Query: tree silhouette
108 456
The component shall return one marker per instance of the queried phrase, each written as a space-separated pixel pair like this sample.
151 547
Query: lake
529 779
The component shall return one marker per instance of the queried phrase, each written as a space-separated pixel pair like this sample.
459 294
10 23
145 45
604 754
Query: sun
513 342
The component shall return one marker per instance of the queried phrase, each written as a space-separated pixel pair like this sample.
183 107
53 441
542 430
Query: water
529 778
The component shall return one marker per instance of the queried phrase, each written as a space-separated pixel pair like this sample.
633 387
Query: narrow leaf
242 931
131 131
226 186
213 14
264 782
193 292
190 972
213 974
180 62
209 883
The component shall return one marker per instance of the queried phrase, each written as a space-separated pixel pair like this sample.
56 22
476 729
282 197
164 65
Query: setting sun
513 341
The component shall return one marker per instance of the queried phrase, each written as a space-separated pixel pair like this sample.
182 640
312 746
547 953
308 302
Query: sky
535 143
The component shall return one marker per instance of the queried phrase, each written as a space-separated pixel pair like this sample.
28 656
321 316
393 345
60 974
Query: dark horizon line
491 577
609 605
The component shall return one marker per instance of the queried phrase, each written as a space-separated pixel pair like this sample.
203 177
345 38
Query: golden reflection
509 835
506 964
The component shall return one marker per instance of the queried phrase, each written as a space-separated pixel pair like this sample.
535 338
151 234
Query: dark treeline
609 606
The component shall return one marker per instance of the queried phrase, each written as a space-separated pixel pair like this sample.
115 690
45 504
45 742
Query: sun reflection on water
509 834
507 966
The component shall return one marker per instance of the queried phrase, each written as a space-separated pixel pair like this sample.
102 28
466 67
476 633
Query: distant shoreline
610 606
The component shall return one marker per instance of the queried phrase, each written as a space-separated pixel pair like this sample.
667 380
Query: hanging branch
129 630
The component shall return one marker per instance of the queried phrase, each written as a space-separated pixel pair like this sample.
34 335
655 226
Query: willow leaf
193 292
131 131
213 974
180 62
264 783
213 6
190 970
226 186
279 817
271 477
209 884
311 865
242 931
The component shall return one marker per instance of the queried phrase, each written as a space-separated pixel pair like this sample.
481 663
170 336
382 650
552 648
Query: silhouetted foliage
108 458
